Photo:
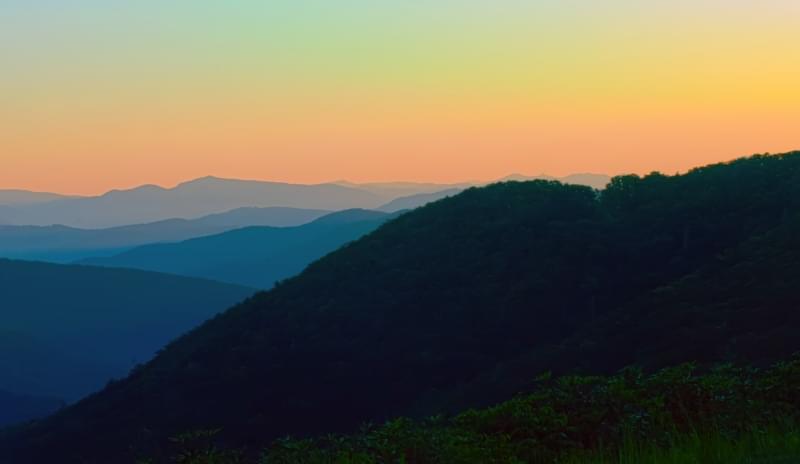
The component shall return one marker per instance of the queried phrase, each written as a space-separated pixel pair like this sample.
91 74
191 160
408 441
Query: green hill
462 302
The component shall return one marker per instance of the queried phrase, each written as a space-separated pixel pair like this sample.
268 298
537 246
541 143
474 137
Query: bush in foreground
728 414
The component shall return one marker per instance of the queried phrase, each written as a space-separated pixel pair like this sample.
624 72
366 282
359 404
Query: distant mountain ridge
26 197
394 190
251 256
210 195
193 199
67 244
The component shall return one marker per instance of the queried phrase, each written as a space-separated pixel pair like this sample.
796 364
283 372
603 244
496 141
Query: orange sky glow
384 91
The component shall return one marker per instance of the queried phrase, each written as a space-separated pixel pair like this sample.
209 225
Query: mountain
67 244
6 212
11 201
252 256
210 195
16 408
189 200
66 330
415 201
24 197
403 189
464 302
273 216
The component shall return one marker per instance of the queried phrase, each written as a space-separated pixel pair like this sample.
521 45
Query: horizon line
331 182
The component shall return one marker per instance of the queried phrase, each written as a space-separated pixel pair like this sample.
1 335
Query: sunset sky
101 94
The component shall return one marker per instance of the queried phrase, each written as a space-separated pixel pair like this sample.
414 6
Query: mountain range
201 197
252 256
25 197
188 200
464 302
66 244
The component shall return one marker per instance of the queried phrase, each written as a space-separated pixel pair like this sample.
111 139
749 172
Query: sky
108 94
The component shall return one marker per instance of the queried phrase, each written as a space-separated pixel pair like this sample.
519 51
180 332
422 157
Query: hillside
16 408
463 302
252 256
67 244
66 330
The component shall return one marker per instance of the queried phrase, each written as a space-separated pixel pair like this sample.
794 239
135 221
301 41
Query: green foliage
773 445
676 415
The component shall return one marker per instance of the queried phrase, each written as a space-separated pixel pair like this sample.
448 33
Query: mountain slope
15 408
253 256
66 330
452 305
67 244
189 200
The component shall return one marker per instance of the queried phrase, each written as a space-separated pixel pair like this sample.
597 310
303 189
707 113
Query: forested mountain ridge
460 301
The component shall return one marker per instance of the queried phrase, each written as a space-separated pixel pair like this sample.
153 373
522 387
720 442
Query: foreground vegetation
677 415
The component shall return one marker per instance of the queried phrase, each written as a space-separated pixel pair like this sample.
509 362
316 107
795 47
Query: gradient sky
104 94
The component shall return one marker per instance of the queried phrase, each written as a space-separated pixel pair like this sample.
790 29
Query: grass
777 445
724 415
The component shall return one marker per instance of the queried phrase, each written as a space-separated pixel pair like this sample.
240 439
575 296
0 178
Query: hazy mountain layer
253 256
187 201
210 195
24 197
67 244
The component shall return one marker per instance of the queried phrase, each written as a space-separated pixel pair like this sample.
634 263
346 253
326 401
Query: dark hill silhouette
458 302
67 244
66 330
252 256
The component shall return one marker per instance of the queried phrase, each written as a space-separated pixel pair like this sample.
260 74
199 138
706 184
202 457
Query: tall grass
776 445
